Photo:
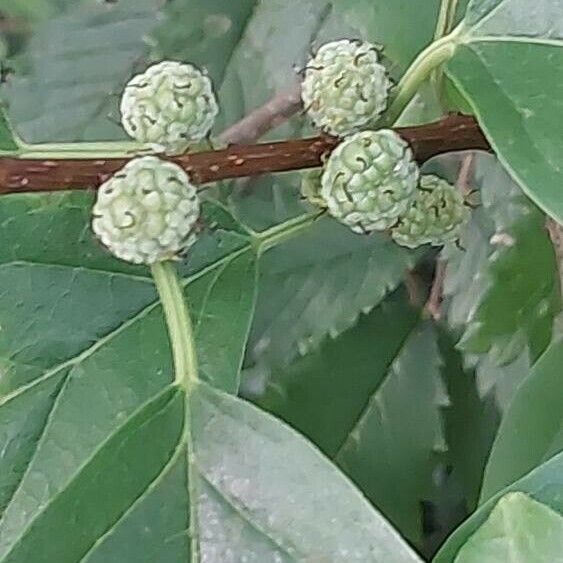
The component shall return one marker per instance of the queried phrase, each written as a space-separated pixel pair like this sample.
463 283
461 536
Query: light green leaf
544 484
370 401
509 66
519 530
74 68
247 500
532 428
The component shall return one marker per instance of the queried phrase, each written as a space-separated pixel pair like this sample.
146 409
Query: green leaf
40 270
272 48
8 140
74 68
246 499
202 32
370 401
318 285
504 289
509 66
518 530
544 484
470 423
532 428
403 27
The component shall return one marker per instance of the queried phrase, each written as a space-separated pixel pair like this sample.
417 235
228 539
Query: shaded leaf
318 285
370 401
75 67
504 289
470 424
202 32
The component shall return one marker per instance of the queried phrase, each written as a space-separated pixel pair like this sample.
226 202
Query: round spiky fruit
369 180
169 106
435 216
345 87
311 187
147 212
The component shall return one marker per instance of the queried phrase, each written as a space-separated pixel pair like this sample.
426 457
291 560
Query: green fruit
311 187
169 106
435 217
369 180
345 87
147 212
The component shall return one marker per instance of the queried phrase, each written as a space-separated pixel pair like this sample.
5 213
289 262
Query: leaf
402 27
202 32
269 53
544 484
470 423
318 285
504 290
8 139
369 400
247 500
532 428
75 67
518 530
41 267
509 65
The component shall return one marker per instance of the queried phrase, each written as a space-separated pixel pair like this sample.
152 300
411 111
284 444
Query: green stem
284 231
91 150
446 18
178 321
427 61
446 21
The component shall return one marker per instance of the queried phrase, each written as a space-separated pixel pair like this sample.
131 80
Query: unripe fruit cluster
345 87
147 212
169 106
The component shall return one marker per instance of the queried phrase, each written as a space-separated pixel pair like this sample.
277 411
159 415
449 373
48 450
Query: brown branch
453 133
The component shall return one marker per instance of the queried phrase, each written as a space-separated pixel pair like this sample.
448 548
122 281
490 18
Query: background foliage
421 421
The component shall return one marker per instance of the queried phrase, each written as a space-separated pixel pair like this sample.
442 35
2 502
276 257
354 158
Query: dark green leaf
8 141
74 69
509 66
402 27
532 428
544 484
470 424
202 32
370 401
519 530
318 285
43 328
